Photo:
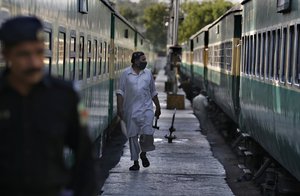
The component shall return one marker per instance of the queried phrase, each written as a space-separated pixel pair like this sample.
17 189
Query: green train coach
248 62
87 42
270 76
199 43
222 73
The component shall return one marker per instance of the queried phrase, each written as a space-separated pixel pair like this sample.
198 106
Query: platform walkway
184 167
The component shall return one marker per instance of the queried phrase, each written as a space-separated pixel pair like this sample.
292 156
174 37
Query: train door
205 51
111 56
236 62
191 59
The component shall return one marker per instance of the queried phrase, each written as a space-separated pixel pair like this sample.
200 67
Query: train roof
201 31
236 8
116 12
244 1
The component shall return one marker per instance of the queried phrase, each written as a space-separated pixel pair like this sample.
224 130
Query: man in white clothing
134 98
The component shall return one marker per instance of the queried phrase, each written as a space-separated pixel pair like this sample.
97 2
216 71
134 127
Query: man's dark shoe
145 161
135 166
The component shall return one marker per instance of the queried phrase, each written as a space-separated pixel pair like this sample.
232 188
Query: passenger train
90 43
248 62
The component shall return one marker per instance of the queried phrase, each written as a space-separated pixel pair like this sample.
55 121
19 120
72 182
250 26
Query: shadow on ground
112 152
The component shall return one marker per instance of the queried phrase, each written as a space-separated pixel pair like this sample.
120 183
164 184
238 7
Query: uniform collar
46 82
131 71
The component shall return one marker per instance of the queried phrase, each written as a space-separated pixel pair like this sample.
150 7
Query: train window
108 58
272 53
297 66
95 55
48 43
283 6
122 58
250 55
228 55
219 60
116 58
61 54
221 56
142 42
263 60
268 53
89 46
254 55
216 50
244 55
119 58
72 55
73 44
72 68
89 55
210 56
126 33
88 68
81 59
201 55
100 59
247 54
83 6
104 53
291 54
48 49
258 60
283 55
47 63
278 54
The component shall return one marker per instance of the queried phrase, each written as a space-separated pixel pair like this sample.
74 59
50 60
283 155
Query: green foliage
134 12
198 15
129 14
149 17
154 23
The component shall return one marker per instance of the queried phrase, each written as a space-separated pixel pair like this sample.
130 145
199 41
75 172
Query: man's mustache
30 71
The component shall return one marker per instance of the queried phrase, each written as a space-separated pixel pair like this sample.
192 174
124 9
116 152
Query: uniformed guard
39 116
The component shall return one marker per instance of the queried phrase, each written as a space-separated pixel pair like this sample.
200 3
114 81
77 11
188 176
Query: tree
134 12
198 15
129 14
154 23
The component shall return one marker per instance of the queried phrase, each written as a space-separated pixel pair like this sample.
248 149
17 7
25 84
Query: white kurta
137 91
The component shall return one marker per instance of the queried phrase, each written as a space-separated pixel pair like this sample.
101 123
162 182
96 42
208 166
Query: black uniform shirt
33 132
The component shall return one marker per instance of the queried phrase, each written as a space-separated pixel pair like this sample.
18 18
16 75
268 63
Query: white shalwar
137 91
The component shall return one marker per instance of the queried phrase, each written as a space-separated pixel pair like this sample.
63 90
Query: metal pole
171 25
176 16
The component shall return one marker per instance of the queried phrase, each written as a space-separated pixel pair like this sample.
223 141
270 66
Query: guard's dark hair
19 29
136 55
